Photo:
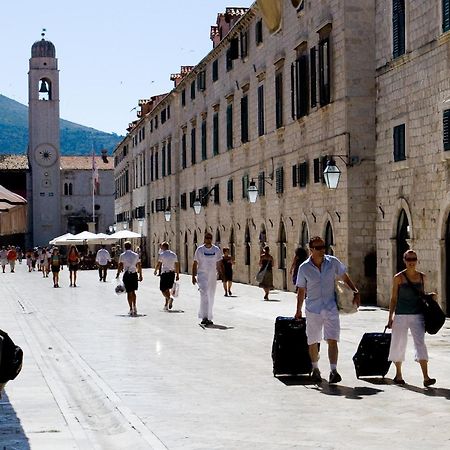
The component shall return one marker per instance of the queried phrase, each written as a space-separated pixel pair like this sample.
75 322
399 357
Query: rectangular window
193 146
152 168
201 80
313 76
192 198
230 193
151 126
279 99
294 175
156 122
228 61
215 70
398 28
163 116
216 134
183 201
230 126
183 151
244 119
245 184
446 128
399 143
260 110
160 204
169 158
317 174
216 194
324 71
445 15
163 161
302 174
244 44
258 32
156 166
300 87
183 97
323 165
168 112
204 154
279 180
193 90
261 184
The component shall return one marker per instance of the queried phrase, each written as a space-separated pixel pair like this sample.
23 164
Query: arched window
231 243
304 236
70 189
282 247
329 239
45 89
401 239
247 246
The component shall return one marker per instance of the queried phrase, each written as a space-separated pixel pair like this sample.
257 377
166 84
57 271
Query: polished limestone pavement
95 378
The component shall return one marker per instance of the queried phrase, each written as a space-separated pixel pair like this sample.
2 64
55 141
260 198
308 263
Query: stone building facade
272 109
413 140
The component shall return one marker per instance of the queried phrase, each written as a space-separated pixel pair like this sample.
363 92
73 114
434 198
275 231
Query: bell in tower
44 91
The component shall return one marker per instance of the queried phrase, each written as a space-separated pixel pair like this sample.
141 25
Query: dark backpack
11 357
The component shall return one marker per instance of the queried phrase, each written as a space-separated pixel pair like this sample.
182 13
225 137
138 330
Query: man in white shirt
130 264
204 273
102 259
168 268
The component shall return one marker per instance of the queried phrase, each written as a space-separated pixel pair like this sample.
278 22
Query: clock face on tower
45 155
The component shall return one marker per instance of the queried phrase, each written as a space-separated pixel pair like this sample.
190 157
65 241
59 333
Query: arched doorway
195 241
218 238
186 253
402 239
231 244
247 241
304 236
329 239
262 238
282 253
447 266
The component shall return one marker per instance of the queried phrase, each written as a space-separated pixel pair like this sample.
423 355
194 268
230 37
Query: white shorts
326 320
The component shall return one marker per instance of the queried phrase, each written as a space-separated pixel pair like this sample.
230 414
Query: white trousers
400 326
207 283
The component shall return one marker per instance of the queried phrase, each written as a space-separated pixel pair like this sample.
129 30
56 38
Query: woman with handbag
406 312
265 274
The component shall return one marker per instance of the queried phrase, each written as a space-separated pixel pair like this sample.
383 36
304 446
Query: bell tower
43 143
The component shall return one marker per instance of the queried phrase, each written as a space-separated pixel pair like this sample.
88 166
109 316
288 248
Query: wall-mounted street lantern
197 205
332 173
252 190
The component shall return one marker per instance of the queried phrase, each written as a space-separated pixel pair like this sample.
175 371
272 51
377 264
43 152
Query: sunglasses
319 247
411 259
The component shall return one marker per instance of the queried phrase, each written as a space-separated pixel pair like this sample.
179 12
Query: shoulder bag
433 315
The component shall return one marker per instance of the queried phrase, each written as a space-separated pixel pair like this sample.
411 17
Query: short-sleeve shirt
129 260
167 258
207 258
103 257
319 284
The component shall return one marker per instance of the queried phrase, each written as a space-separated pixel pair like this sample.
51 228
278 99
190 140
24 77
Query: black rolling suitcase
11 357
371 358
290 354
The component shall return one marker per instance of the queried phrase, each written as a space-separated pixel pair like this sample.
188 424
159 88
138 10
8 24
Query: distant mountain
75 139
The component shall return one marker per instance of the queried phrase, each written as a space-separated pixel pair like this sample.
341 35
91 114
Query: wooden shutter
229 126
279 180
398 28
446 128
445 15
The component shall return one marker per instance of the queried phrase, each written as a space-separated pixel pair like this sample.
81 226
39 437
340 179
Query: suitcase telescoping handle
385 328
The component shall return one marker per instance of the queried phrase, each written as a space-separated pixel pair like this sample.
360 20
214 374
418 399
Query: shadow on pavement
297 380
216 327
12 435
352 393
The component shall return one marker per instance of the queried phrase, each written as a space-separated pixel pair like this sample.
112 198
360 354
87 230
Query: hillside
75 139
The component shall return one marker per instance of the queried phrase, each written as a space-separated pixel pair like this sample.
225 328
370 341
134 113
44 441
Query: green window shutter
445 15
399 143
398 28
230 126
446 128
216 134
204 155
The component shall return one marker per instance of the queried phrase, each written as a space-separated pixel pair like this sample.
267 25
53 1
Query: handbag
344 298
261 274
433 315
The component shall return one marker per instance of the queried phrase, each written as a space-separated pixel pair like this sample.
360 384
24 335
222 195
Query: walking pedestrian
28 257
405 313
168 268
265 271
316 279
226 271
204 273
130 265
102 259
73 263
3 258
56 266
12 256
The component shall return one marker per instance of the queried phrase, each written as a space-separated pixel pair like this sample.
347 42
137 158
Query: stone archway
282 240
217 240
329 238
401 239
447 267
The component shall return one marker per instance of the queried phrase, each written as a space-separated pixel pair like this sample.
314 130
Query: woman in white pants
405 313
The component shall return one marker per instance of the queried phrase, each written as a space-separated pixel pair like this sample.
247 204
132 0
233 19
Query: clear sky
111 53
